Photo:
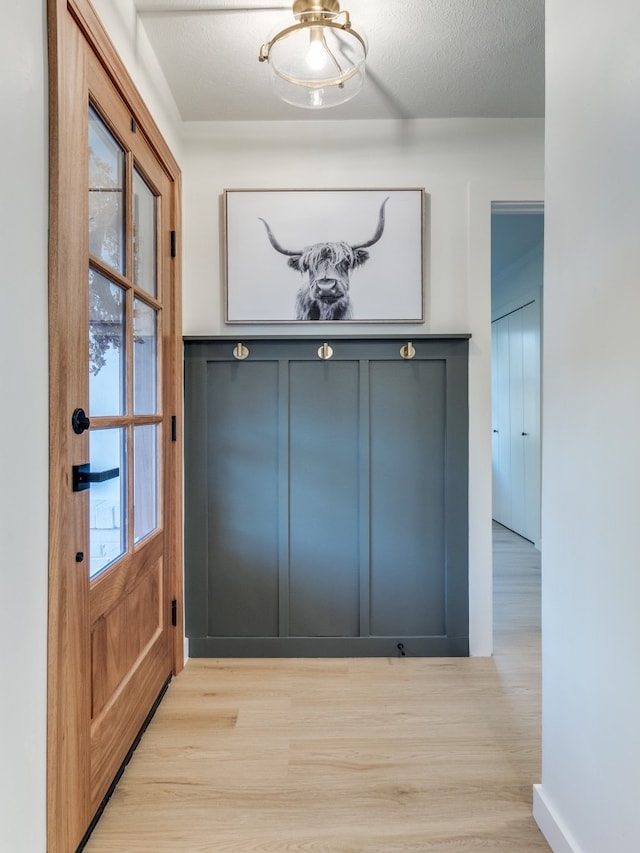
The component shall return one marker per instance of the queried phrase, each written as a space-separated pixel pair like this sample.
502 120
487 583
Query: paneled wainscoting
326 499
373 755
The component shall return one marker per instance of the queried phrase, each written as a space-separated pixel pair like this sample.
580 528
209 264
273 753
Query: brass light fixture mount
318 61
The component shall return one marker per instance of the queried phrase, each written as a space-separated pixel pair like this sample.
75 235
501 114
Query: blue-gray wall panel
326 502
323 477
407 403
242 478
196 515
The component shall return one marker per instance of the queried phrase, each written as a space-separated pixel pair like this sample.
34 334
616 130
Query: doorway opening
517 253
517 250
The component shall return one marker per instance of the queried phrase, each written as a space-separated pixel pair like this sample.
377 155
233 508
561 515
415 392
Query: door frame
481 195
70 24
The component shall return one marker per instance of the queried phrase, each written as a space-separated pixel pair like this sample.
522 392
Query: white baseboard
557 836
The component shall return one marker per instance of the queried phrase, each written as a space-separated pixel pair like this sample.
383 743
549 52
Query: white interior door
516 420
501 462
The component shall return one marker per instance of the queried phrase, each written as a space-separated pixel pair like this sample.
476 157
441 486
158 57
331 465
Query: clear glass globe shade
317 97
317 66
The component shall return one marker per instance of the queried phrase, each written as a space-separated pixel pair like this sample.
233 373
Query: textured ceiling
427 58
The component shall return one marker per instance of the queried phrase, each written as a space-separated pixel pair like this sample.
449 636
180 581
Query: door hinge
134 126
174 612
173 244
174 428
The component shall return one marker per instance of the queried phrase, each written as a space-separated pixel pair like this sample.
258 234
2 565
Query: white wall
23 429
588 800
131 42
463 164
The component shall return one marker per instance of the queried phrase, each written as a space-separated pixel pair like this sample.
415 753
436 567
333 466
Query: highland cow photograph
295 256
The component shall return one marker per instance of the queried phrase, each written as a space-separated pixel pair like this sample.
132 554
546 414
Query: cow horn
379 229
275 243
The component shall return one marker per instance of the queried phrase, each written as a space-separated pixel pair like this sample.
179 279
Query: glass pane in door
106 346
144 235
106 194
145 478
145 375
107 501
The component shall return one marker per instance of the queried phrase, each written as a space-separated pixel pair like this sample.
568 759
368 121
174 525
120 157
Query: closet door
326 498
501 435
517 432
531 418
516 420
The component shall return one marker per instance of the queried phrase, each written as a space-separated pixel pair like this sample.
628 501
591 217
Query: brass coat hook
408 350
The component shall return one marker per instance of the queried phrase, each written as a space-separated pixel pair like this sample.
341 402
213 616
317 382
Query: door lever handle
82 476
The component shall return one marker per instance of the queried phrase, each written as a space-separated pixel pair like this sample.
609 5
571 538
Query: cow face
329 268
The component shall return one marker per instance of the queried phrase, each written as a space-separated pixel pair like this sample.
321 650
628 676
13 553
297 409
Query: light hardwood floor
344 755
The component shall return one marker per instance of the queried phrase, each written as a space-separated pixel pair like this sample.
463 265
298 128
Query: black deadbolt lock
79 421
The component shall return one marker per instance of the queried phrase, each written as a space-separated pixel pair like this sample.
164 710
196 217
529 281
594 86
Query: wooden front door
114 637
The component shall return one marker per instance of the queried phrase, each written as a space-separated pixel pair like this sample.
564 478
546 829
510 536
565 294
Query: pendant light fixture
319 61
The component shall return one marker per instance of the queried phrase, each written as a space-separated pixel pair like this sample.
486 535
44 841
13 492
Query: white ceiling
427 58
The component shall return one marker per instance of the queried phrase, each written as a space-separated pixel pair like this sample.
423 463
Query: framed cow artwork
297 256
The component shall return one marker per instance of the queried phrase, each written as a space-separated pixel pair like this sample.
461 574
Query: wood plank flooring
399 755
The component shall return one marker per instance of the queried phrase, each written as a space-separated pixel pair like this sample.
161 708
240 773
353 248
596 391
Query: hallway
350 755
